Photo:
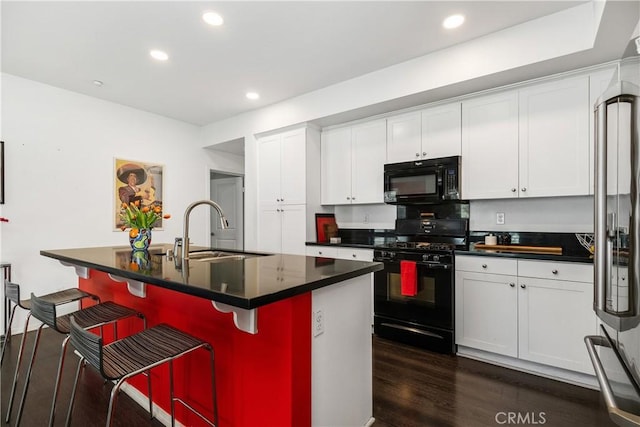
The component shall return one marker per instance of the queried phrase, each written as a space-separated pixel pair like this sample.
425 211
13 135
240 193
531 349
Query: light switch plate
318 323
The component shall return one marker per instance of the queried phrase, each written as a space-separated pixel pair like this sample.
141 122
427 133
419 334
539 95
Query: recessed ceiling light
159 55
212 18
98 83
453 21
253 95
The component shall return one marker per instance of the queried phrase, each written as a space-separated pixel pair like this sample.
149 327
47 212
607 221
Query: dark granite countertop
542 257
246 283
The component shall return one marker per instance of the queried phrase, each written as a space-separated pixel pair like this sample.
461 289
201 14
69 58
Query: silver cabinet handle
513 285
353 198
348 198
353 255
417 154
523 286
513 190
554 271
277 210
282 200
320 252
618 416
523 189
424 153
484 265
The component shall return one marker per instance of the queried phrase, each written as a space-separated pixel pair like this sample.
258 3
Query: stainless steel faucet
185 235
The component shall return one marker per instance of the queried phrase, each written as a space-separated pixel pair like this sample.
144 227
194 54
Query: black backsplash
567 241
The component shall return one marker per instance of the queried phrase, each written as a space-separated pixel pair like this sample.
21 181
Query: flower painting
137 184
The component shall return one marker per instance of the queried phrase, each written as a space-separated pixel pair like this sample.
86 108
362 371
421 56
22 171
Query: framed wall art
137 182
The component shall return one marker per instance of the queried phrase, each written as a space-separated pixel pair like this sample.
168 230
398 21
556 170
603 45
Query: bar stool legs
18 364
136 354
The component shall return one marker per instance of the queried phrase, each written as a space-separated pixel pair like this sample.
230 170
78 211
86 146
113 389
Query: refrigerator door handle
604 227
617 415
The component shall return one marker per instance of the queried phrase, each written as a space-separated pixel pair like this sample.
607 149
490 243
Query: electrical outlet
318 323
500 218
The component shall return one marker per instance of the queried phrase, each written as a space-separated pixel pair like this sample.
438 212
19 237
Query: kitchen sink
219 256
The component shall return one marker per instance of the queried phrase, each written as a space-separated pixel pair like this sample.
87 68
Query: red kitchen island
291 334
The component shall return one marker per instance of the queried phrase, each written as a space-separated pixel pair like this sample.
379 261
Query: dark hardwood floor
412 388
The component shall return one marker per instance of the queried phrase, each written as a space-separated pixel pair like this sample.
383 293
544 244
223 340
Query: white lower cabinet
282 229
540 314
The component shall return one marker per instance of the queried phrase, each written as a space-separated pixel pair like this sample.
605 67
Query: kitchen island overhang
286 371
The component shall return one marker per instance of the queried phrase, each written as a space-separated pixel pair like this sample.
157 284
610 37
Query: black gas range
414 294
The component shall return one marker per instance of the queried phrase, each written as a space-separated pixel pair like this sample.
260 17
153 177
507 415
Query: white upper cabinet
281 172
335 164
490 146
352 164
554 138
426 134
442 131
404 137
531 142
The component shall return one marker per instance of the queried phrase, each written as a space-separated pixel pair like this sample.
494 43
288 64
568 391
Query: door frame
244 202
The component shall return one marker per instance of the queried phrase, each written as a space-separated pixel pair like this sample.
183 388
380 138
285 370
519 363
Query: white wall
551 214
60 148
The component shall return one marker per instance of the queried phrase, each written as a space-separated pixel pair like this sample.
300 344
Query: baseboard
141 399
558 374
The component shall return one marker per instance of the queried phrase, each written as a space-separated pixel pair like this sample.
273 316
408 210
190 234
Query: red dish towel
408 279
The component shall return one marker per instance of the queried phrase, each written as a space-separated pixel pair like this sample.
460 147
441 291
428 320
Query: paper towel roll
490 240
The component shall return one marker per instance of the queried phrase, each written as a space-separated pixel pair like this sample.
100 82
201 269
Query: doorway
228 191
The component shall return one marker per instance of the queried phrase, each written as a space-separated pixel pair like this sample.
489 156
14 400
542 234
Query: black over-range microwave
423 181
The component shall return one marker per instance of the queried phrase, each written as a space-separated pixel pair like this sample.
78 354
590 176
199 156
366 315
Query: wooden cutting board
552 250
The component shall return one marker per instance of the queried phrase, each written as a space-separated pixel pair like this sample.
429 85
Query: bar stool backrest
88 344
44 311
12 291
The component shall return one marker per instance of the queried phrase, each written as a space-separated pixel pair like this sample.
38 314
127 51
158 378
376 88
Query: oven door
431 306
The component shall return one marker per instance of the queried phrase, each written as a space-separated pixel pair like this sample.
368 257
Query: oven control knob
392 254
425 257
436 258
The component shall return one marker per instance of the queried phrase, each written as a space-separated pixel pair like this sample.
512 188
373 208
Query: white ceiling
279 49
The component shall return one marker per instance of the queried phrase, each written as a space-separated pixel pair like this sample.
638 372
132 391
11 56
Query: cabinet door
293 167
294 229
270 228
554 138
404 138
442 131
554 318
269 169
368 145
598 83
490 147
486 312
335 163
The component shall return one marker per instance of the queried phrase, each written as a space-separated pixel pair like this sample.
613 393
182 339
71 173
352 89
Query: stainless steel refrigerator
615 352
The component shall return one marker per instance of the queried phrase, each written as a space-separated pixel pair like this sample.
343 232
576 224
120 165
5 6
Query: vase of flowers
140 221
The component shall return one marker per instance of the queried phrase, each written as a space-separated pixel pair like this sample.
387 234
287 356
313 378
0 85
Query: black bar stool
91 317
136 354
12 295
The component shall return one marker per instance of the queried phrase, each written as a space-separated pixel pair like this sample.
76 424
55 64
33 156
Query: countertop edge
244 303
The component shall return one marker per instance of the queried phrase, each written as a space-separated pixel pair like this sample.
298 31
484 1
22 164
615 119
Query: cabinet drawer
355 254
572 271
322 251
486 264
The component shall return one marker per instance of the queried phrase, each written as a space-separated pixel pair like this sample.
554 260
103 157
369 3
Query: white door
368 155
490 146
554 139
487 312
335 161
404 138
227 192
442 131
